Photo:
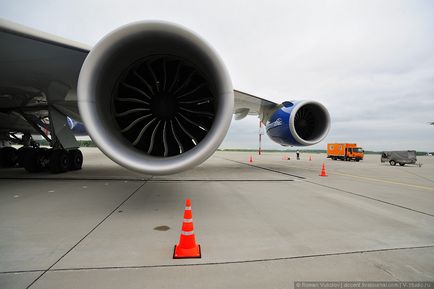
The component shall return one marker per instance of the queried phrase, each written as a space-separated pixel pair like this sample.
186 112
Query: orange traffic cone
323 172
251 159
187 247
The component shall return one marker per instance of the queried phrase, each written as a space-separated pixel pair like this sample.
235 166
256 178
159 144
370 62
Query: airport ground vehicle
399 157
345 151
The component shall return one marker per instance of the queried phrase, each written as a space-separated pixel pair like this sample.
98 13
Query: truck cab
355 153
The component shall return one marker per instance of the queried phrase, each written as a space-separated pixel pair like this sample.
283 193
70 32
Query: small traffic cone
323 172
251 159
187 247
310 159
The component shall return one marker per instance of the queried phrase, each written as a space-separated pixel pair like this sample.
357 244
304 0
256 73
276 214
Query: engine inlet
163 105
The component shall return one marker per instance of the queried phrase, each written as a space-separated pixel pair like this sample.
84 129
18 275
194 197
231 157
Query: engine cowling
299 123
155 97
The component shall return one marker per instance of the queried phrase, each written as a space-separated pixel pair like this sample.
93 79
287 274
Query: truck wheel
357 160
392 163
401 164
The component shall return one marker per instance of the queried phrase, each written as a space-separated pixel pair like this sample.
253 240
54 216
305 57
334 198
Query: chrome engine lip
120 151
301 141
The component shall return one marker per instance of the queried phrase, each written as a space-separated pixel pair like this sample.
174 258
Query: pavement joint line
385 181
370 198
347 192
21 271
422 177
88 233
246 261
219 180
374 179
267 169
41 178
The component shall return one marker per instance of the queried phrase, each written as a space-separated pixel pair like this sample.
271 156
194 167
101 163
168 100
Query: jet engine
299 123
155 97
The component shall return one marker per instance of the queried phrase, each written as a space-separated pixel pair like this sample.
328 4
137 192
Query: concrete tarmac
264 224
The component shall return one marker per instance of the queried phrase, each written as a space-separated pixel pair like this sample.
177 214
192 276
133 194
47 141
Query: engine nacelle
299 123
155 97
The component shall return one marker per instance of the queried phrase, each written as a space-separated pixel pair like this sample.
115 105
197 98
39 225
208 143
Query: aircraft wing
31 62
247 104
35 65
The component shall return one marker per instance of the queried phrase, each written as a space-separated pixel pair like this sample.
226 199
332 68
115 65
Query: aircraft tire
8 157
76 159
60 161
32 160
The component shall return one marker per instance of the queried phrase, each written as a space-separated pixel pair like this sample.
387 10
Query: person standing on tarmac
298 155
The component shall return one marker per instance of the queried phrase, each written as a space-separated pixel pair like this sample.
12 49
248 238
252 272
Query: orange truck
345 151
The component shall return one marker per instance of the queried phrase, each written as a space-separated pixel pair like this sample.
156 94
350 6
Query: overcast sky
371 63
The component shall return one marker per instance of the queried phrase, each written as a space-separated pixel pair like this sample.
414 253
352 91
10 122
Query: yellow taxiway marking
386 181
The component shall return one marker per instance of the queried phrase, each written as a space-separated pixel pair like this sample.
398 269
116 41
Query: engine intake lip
127 46
321 119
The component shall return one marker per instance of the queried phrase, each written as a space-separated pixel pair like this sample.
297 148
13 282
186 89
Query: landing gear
36 114
8 157
36 160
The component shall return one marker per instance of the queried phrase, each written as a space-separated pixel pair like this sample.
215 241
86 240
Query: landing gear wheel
59 161
8 157
76 159
22 155
392 163
33 160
